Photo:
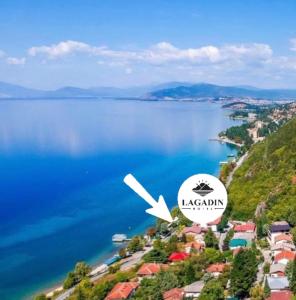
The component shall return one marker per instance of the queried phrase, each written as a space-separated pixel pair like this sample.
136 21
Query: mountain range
203 90
165 91
13 91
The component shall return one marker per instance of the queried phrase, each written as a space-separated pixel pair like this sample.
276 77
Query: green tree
100 291
223 224
70 281
266 268
83 291
81 270
293 231
211 240
114 268
213 290
293 278
172 245
164 229
289 270
159 244
227 239
40 297
257 293
243 273
266 289
166 280
149 290
155 255
189 275
135 244
122 252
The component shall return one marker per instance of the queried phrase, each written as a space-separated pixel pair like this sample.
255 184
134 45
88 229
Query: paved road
127 264
238 164
221 240
134 259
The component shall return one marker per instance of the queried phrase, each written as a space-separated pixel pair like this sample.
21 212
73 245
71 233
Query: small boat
119 238
221 163
230 155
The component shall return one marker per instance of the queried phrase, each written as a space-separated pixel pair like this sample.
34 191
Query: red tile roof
283 295
174 294
150 269
284 255
195 229
283 237
245 227
216 268
122 290
215 222
178 256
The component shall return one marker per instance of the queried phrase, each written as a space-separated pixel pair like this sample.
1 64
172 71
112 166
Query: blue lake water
61 170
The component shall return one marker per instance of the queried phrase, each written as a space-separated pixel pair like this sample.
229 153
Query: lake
61 168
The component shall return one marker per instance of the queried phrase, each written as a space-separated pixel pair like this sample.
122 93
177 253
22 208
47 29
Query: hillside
215 91
269 174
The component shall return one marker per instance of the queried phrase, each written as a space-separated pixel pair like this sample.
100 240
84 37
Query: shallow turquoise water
61 170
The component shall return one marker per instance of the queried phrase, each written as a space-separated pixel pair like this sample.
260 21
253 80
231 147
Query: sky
47 44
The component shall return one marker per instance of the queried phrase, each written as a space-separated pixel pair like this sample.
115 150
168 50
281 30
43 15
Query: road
127 264
238 164
267 259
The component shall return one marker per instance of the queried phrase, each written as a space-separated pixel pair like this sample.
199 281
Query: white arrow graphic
159 209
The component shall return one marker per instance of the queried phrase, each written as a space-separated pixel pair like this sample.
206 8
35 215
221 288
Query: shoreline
58 288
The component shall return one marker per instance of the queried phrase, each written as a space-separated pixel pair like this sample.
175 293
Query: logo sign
202 198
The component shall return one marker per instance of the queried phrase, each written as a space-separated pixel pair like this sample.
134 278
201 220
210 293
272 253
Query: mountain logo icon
203 189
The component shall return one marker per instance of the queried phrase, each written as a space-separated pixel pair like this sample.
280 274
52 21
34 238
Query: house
174 294
194 246
284 257
278 283
277 248
216 269
283 238
277 228
237 243
277 270
122 290
283 295
195 231
194 289
150 269
214 225
247 227
178 256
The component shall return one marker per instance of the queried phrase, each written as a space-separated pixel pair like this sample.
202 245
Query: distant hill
204 90
11 91
169 90
8 90
269 175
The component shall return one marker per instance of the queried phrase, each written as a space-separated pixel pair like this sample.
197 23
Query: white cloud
160 53
16 61
293 44
60 49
